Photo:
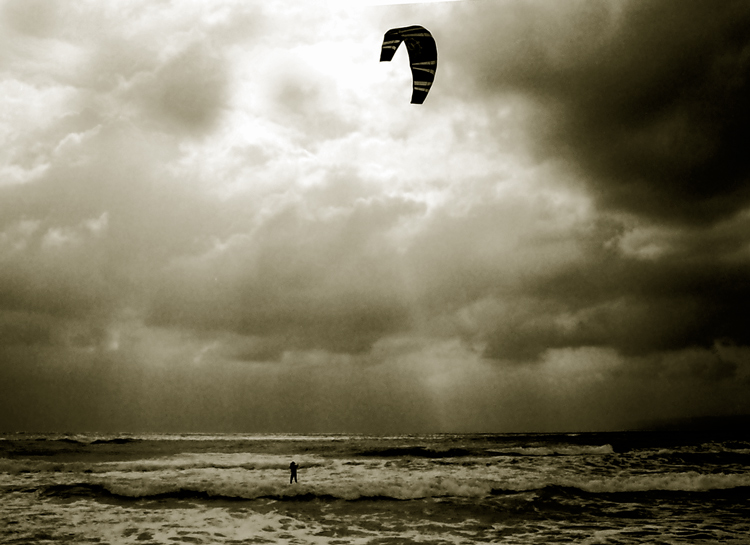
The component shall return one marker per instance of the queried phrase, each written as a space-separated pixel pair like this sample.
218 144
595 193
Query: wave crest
560 450
393 490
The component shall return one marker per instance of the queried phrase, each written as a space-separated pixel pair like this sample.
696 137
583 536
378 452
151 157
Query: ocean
588 488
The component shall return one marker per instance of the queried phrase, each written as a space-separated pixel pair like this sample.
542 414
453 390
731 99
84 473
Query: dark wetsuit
293 469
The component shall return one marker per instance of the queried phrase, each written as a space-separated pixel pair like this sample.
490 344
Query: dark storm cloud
649 100
695 295
43 329
302 280
23 328
80 243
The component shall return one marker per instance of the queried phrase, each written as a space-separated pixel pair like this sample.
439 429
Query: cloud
690 294
308 279
35 17
647 101
188 89
18 328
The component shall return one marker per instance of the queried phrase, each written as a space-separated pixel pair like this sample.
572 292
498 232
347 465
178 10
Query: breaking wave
561 450
98 491
187 462
418 452
425 452
415 489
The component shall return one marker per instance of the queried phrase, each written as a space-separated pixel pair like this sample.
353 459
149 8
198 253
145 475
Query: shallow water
522 488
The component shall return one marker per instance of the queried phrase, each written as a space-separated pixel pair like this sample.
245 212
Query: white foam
250 476
690 481
567 450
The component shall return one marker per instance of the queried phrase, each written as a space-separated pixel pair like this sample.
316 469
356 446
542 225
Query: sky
226 216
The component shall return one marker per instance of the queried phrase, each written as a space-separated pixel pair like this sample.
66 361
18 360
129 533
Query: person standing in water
293 469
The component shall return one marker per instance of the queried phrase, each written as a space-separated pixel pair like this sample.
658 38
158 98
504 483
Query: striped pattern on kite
422 56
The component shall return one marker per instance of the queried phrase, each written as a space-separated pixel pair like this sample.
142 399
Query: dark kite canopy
422 56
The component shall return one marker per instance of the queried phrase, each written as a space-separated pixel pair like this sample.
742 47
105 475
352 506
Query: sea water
602 488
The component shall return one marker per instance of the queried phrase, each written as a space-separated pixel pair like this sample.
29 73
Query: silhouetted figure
293 469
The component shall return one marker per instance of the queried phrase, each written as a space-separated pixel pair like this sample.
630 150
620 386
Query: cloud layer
236 205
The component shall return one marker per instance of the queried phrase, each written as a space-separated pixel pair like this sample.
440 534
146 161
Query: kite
422 56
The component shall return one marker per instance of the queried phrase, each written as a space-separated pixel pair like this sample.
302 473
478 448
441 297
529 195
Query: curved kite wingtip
422 56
